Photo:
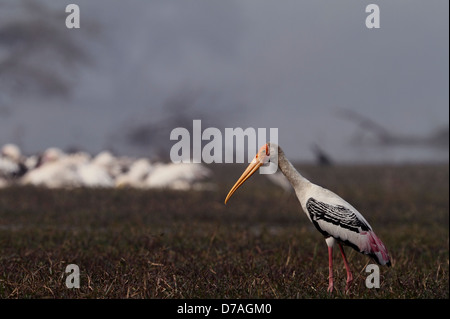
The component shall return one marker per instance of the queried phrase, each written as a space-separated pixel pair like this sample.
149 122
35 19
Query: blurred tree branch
38 54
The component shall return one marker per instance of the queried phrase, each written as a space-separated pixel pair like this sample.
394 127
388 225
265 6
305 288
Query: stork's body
337 220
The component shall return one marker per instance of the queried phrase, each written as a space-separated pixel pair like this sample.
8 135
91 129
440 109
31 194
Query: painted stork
338 221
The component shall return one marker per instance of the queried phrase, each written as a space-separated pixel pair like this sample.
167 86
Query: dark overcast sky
293 65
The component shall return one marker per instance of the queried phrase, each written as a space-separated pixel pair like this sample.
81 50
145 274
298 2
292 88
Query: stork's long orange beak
256 163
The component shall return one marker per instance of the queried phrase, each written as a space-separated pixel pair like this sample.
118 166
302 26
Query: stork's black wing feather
335 214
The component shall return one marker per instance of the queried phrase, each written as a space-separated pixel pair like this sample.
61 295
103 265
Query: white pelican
338 221
93 174
12 152
56 169
114 165
135 177
11 166
180 176
8 168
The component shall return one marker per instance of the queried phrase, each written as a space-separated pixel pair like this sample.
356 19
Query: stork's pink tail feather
376 249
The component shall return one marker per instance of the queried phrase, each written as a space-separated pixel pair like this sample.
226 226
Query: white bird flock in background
57 169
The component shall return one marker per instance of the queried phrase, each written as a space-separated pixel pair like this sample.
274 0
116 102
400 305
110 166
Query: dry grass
166 244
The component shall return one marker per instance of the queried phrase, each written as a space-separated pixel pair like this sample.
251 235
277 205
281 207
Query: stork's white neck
298 182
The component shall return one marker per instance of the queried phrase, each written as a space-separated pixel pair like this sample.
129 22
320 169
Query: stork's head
265 154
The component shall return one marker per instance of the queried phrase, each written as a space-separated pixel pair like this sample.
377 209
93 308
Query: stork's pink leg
330 269
347 267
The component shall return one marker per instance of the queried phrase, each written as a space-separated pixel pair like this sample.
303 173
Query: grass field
166 244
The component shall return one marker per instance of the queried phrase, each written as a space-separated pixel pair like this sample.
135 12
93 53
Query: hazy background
137 69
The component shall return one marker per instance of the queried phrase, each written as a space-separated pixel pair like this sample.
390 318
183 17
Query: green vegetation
164 244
